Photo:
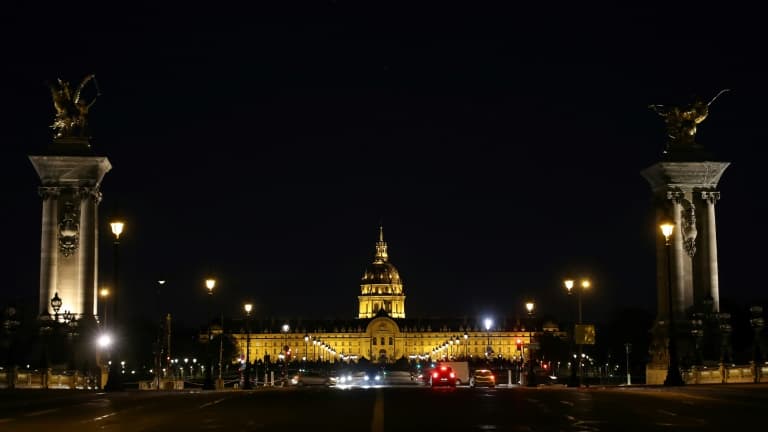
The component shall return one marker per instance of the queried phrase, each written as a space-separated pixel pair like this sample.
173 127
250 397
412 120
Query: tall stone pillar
711 285
683 194
70 176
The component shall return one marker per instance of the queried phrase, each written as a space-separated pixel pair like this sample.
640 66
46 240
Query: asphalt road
412 408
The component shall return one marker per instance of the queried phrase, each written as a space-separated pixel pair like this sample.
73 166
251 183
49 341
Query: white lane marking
377 423
569 403
104 416
37 413
212 403
669 413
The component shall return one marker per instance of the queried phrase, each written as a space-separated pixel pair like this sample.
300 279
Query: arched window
391 340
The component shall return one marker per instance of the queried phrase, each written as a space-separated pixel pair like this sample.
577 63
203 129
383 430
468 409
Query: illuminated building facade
381 332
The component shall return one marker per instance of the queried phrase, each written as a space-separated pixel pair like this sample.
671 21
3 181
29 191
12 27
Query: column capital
46 192
676 196
710 196
88 192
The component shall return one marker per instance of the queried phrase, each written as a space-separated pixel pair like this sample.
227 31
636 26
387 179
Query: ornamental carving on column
69 230
676 196
85 192
688 228
48 192
710 197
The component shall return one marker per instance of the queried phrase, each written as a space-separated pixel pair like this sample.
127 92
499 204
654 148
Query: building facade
381 332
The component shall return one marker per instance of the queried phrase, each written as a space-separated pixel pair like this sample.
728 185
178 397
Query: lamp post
56 305
488 323
306 348
104 294
758 324
466 345
285 330
569 286
210 284
247 374
114 378
531 381
673 372
628 348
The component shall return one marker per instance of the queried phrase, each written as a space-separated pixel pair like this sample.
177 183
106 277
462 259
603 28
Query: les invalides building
381 332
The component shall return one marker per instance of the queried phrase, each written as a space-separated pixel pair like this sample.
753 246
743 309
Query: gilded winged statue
72 108
682 121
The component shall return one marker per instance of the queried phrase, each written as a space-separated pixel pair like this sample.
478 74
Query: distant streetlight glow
210 284
104 341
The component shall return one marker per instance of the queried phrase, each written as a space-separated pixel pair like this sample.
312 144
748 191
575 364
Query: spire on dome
381 248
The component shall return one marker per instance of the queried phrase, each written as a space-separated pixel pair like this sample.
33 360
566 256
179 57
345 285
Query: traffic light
519 345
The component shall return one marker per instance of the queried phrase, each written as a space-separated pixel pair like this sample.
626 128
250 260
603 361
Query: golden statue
681 121
71 108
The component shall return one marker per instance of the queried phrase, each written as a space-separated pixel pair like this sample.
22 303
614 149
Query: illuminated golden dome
381 288
381 271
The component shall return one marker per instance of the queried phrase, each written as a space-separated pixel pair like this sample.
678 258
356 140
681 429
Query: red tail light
493 378
435 374
442 368
453 375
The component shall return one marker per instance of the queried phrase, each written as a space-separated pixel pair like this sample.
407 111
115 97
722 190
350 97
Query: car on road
442 376
482 378
303 378
398 378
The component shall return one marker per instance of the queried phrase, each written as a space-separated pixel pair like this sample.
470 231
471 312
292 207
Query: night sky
501 149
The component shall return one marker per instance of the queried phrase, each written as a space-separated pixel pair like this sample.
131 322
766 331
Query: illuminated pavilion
381 332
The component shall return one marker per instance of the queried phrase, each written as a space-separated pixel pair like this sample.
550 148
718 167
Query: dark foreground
416 408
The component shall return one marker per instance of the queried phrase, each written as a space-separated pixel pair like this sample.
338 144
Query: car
303 378
482 378
442 376
398 378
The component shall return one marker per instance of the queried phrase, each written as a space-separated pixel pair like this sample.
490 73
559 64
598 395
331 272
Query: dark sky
500 147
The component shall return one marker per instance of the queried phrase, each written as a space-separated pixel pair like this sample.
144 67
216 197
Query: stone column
679 256
88 258
48 245
711 238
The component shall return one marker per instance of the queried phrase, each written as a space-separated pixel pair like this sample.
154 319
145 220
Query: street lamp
466 344
247 375
531 381
285 330
306 348
585 284
628 348
56 305
104 294
488 323
114 379
673 371
210 284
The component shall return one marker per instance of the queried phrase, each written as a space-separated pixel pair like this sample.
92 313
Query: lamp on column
488 323
531 381
466 344
56 305
210 284
104 294
673 371
114 378
584 285
247 374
